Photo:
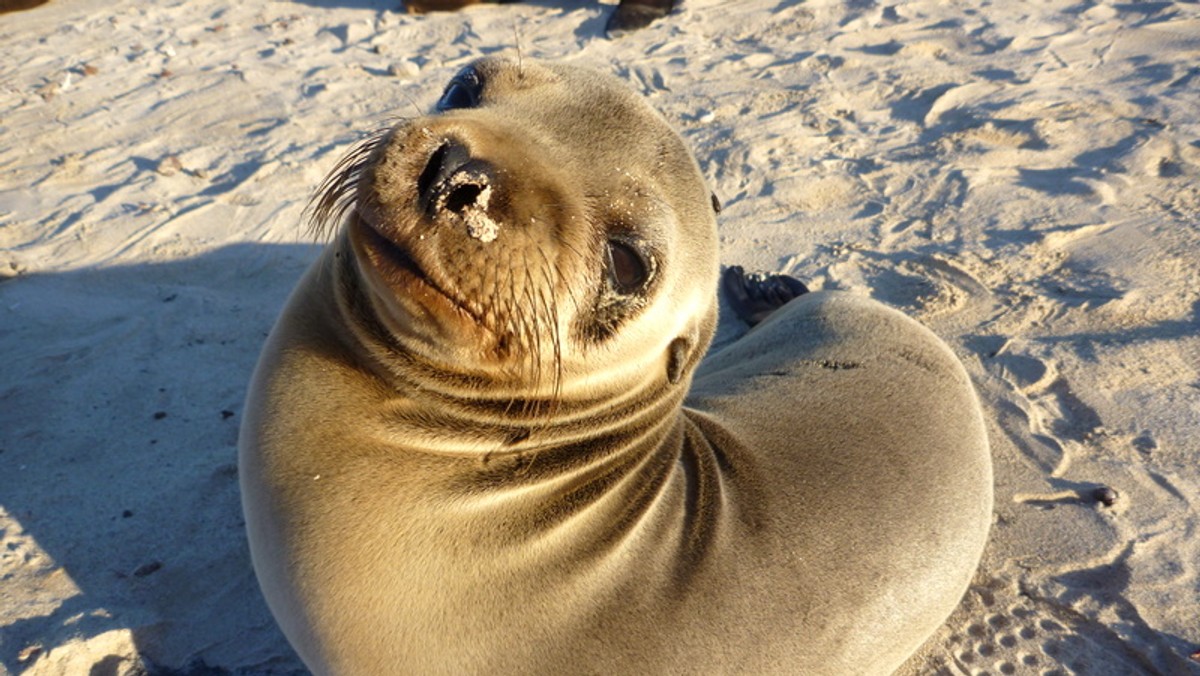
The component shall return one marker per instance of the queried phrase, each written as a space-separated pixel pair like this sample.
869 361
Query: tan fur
441 489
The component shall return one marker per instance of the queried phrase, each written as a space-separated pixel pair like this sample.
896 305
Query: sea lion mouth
384 253
400 271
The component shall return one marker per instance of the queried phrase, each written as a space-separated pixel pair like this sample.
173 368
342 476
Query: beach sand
1021 176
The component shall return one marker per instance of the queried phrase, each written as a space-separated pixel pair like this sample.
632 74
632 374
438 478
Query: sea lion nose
454 181
455 187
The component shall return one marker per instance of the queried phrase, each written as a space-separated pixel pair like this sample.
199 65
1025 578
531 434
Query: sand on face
1021 177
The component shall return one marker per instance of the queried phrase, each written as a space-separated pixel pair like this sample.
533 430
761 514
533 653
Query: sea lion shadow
122 398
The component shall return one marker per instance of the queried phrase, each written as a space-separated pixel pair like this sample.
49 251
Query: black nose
452 180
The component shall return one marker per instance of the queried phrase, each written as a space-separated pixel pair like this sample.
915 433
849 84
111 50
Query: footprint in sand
1052 412
928 286
1014 630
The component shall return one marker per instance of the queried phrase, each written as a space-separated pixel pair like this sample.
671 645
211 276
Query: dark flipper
755 296
634 14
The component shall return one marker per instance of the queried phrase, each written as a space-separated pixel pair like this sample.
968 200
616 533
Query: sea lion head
545 231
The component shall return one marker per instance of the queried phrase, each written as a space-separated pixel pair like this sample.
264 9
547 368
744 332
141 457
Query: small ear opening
677 359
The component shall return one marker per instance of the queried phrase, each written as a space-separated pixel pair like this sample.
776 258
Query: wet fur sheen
487 466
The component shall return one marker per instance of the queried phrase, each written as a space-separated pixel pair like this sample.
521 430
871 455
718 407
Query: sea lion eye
716 203
628 270
463 91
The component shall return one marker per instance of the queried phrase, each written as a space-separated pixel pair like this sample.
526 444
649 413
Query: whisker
549 292
570 289
336 195
531 333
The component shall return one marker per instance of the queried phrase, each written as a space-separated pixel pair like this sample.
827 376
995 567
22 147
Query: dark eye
462 92
628 270
716 204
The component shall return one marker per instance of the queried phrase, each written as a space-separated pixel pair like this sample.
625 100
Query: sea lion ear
677 358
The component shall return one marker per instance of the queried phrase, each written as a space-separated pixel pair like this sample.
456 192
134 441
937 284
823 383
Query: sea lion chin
481 437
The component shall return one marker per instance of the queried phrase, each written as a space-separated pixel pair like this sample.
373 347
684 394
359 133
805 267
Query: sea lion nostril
463 196
426 180
443 163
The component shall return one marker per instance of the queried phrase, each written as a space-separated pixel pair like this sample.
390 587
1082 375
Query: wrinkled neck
487 416
562 484
591 474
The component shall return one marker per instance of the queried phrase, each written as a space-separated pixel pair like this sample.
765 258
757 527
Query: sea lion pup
629 14
466 447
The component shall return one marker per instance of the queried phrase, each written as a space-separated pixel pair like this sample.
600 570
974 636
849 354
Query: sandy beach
1022 177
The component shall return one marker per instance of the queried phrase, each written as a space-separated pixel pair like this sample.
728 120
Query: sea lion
629 14
480 437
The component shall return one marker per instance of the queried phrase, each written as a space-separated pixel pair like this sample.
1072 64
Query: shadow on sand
120 398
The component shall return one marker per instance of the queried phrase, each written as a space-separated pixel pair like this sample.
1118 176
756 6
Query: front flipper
634 14
755 296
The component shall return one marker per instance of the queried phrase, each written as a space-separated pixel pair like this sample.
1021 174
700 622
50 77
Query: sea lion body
473 454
